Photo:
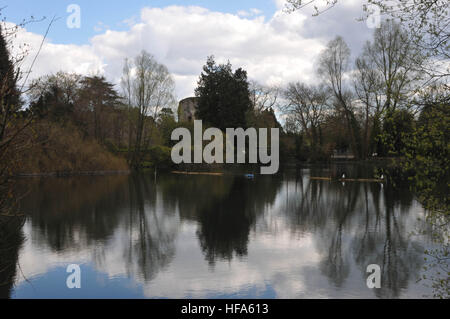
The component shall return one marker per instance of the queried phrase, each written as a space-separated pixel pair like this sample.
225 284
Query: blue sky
110 13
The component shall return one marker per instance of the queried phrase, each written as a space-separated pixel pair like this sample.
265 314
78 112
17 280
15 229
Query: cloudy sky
273 46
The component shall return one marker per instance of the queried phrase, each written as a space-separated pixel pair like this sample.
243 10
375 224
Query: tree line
372 106
365 105
405 76
391 101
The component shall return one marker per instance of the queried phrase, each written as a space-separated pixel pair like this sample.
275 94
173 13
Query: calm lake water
282 236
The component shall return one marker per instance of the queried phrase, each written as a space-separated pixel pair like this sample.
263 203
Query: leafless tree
68 85
149 88
334 63
126 89
263 97
386 74
426 21
307 106
391 61
319 6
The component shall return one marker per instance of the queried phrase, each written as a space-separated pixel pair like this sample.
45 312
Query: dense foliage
223 95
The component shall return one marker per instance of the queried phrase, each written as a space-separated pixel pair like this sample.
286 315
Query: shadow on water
140 219
11 240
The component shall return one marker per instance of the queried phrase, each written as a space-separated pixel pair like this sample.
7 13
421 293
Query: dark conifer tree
223 96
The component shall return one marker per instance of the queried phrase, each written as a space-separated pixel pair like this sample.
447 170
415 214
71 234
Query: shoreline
75 173
288 164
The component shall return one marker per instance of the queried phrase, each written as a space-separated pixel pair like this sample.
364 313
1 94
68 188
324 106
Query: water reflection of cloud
228 277
303 242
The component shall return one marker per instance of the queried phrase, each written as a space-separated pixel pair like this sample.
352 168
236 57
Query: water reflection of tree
76 212
11 239
385 238
358 222
225 225
138 217
225 208
336 265
151 229
105 215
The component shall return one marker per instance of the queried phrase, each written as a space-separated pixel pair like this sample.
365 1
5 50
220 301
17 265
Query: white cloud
55 57
182 37
100 27
273 51
343 19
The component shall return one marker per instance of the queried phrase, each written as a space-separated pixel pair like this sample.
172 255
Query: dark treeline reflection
76 213
99 212
139 219
11 239
225 224
72 213
225 209
358 224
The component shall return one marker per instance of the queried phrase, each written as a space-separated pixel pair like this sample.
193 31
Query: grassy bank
57 150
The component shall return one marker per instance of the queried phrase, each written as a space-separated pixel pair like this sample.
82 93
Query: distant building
186 109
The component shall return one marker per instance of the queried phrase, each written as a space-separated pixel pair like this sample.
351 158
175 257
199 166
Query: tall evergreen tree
223 95
98 96
9 97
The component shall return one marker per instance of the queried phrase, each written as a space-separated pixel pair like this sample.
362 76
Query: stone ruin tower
186 110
